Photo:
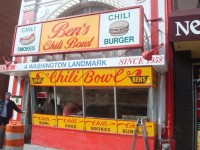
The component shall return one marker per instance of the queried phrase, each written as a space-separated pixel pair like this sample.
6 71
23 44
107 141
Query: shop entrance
196 97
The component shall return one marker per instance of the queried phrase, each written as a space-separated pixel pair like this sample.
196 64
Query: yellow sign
70 34
135 76
45 120
71 123
132 76
100 125
99 77
94 125
127 127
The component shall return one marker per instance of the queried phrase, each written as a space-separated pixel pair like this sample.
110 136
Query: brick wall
9 11
66 139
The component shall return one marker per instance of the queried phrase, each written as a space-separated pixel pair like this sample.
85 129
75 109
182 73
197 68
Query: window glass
44 100
99 103
69 100
131 103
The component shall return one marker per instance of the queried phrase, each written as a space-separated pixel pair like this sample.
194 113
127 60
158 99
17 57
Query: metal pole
32 95
83 101
115 101
26 100
55 100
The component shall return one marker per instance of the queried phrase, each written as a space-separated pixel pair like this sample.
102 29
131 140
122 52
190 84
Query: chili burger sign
110 30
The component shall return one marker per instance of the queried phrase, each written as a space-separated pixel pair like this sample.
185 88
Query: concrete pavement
37 147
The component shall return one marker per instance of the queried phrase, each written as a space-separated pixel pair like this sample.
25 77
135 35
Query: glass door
196 102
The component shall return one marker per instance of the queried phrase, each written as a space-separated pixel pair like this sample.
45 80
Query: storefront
93 104
90 101
184 34
75 101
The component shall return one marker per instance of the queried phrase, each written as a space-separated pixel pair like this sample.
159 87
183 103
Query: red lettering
43 118
140 61
130 125
70 120
51 45
120 78
73 31
75 43
100 123
59 30
62 29
131 61
86 28
53 76
118 74
71 76
121 62
88 76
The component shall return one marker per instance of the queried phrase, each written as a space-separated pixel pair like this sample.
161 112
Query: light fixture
148 54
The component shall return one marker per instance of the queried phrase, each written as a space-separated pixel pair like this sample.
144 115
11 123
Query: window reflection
70 101
131 103
44 101
100 103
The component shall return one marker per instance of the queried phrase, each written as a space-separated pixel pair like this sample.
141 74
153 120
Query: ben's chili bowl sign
110 30
94 77
71 34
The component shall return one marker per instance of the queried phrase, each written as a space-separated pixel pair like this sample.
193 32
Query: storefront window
131 103
44 101
69 101
99 103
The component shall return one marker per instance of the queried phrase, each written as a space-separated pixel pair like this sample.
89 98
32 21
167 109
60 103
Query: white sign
111 30
120 28
157 60
27 39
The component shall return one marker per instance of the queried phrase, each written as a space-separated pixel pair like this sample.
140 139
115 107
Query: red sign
42 95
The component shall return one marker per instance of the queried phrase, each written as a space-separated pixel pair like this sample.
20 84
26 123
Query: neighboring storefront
184 34
87 79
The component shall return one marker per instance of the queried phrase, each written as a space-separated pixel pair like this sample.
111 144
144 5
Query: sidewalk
36 147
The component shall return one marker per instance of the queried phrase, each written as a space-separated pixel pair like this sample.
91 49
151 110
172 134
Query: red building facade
152 99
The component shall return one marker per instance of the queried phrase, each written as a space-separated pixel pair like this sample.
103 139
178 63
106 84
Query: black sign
184 28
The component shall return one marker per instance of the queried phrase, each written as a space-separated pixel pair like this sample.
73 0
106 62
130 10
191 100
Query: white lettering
194 24
189 27
179 25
